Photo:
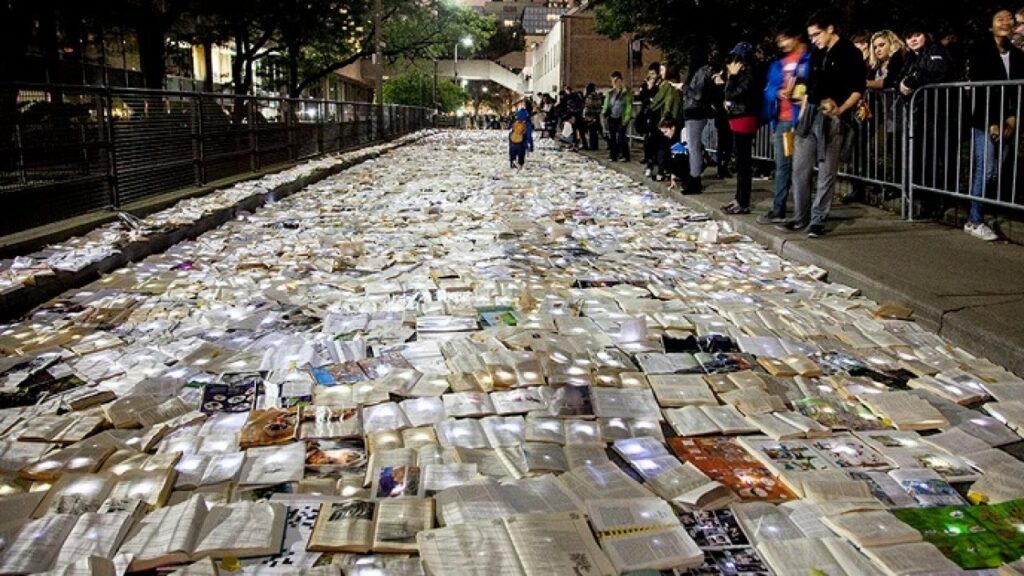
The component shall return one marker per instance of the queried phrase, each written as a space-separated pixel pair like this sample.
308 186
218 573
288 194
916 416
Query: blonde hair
895 45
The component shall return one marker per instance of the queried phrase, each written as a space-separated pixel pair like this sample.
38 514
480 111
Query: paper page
763 522
914 558
166 535
807 517
273 465
36 545
874 528
557 544
624 514
660 549
540 494
471 549
474 501
95 535
242 529
343 526
601 482
691 421
399 521
800 557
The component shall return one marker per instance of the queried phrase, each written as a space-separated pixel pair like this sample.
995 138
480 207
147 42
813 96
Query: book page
474 501
399 521
557 544
914 558
167 535
343 527
438 477
691 421
36 545
853 562
660 549
242 529
95 535
807 517
273 465
875 528
763 522
601 482
540 494
728 419
626 514
800 557
470 549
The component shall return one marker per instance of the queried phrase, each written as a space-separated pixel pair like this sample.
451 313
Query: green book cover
972 536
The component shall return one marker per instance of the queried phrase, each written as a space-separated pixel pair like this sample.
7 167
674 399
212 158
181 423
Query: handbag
862 112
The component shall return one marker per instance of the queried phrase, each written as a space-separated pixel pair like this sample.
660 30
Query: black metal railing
66 151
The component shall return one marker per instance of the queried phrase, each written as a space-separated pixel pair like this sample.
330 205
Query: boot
692 186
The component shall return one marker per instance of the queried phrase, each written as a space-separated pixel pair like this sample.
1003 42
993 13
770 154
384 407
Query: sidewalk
969 291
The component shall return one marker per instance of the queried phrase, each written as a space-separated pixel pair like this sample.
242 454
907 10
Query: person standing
698 108
934 137
646 121
993 58
667 105
787 85
592 117
618 110
835 85
743 94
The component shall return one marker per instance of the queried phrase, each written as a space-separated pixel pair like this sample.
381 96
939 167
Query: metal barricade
964 141
70 150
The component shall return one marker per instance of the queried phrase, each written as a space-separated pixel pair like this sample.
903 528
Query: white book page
557 544
603 481
37 545
242 529
474 501
660 549
801 557
471 549
95 535
620 514
915 558
166 531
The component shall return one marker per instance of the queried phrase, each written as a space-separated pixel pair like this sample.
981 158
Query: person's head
667 127
616 80
916 35
654 71
789 38
823 28
591 88
862 40
1002 24
742 52
1018 21
883 45
669 72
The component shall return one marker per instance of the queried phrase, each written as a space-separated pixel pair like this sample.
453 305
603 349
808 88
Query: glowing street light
468 43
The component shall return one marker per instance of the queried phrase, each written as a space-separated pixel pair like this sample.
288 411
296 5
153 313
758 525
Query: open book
517 545
873 528
35 545
643 534
805 556
363 525
190 531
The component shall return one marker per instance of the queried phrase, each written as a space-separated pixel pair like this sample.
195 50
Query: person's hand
829 107
673 183
1010 128
905 90
993 131
784 93
717 78
733 68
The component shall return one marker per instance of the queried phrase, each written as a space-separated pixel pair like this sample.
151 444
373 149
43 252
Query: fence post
254 138
321 118
907 123
107 125
287 106
199 146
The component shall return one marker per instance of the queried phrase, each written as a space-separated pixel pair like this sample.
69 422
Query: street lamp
467 42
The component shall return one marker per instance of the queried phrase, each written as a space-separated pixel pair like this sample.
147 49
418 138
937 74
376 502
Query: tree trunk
293 70
208 64
152 52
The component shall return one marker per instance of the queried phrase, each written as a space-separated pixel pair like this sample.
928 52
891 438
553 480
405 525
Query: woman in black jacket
993 122
743 95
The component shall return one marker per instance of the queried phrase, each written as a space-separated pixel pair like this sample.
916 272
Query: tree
416 88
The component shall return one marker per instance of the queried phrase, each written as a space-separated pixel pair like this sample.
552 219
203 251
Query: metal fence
70 150
940 141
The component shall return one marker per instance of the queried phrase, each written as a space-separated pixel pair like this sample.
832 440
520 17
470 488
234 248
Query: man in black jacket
835 85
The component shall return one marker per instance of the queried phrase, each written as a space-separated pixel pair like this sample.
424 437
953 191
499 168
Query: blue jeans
783 169
989 156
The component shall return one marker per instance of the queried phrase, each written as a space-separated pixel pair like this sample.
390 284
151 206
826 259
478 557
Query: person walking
618 111
786 87
835 85
592 117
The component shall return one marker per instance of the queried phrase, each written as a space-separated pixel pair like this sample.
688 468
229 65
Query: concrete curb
964 327
18 302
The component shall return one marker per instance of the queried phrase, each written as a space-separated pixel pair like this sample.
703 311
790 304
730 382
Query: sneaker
730 205
736 209
816 231
981 231
771 218
791 226
647 173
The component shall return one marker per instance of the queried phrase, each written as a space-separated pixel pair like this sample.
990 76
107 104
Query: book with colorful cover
730 562
836 414
975 537
234 393
714 529
848 452
725 461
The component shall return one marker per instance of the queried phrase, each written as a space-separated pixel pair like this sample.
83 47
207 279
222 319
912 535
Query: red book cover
725 461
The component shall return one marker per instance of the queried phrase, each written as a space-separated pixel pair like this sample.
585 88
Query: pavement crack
942 317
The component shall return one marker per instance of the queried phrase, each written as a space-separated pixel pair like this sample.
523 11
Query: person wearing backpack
520 137
592 117
698 108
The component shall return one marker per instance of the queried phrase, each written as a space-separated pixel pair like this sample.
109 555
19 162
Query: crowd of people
812 95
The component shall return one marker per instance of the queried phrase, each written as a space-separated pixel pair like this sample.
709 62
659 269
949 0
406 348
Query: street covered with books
430 363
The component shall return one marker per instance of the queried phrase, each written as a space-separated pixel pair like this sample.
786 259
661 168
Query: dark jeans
517 154
618 144
654 151
783 169
725 144
743 145
592 134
